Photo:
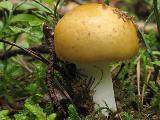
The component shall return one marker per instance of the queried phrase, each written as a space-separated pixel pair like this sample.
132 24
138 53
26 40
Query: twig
22 62
55 10
40 49
147 20
138 77
141 33
156 68
28 51
157 16
56 91
50 40
145 85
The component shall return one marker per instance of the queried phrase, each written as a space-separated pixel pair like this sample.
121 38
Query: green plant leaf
35 36
1 46
156 13
39 7
35 109
127 116
48 1
6 5
4 115
32 88
153 86
73 114
52 116
156 63
31 19
106 2
21 116
25 6
30 5
1 25
156 53
151 38
15 29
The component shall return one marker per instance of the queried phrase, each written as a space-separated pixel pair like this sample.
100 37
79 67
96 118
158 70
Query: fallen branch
40 49
56 90
34 52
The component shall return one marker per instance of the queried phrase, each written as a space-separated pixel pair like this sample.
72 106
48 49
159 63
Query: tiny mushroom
91 36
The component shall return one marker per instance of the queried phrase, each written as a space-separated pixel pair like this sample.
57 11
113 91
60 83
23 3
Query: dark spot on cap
72 47
99 26
114 30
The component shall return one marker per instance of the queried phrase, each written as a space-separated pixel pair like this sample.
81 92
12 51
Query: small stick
12 53
56 91
145 84
22 62
28 51
138 77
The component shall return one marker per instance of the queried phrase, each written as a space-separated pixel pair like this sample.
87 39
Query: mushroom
92 36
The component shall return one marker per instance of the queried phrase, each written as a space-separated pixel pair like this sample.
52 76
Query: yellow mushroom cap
95 33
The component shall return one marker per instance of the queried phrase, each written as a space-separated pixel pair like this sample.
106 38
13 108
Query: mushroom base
103 86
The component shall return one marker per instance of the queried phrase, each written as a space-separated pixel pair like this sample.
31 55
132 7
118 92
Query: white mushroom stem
104 93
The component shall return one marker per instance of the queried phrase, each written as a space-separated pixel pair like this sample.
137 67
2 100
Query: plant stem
34 54
56 15
50 10
157 16
156 68
154 12
147 20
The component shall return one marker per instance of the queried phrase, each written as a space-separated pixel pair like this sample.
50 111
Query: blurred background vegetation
23 92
